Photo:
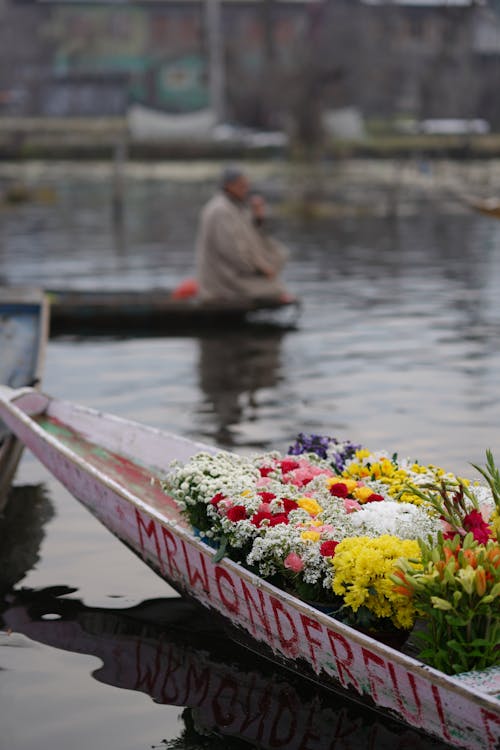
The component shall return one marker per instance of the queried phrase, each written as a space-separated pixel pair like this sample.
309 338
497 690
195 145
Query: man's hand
257 206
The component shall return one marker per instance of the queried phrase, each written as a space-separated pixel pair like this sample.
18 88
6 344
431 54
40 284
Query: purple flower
326 447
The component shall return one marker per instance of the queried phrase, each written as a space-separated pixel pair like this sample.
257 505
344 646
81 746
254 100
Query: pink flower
300 477
326 528
224 505
294 562
262 482
237 513
351 505
264 508
448 530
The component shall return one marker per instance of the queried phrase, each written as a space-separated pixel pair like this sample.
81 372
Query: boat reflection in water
171 650
232 370
22 520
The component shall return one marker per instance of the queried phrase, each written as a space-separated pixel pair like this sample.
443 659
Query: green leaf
221 551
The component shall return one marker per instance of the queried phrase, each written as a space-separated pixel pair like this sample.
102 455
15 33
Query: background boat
24 321
157 311
486 206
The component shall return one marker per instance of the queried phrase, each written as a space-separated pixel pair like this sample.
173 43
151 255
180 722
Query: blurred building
284 60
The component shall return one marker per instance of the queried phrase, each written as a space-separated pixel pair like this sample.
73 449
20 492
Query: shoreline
108 138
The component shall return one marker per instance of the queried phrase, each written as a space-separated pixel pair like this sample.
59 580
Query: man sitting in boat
236 259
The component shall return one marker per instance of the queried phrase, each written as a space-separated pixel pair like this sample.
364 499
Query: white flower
405 520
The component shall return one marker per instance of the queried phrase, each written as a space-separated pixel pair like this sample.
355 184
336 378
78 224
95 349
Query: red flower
327 549
278 518
289 505
257 518
374 498
339 490
237 513
266 470
266 496
288 464
474 522
217 498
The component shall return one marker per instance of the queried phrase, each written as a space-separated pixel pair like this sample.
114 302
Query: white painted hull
463 711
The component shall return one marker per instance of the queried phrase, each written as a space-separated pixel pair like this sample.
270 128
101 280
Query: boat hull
298 635
156 311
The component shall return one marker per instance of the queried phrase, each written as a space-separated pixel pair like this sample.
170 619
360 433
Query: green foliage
457 592
492 475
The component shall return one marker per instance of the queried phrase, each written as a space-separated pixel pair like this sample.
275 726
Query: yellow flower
351 484
362 453
310 505
363 567
362 493
356 470
246 493
310 536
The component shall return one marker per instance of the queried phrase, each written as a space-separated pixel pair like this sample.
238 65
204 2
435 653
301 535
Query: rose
217 498
288 464
289 505
266 496
259 517
237 513
293 562
327 549
339 490
374 498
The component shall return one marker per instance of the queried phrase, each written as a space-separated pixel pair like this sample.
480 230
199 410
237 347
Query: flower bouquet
349 530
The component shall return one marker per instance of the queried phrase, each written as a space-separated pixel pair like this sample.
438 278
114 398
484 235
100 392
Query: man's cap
230 174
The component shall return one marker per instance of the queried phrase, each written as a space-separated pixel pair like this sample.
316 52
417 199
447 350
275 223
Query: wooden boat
114 468
23 335
157 311
171 651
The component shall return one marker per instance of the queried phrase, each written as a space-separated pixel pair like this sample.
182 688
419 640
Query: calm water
397 347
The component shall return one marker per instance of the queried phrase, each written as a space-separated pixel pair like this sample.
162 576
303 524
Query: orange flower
480 581
470 557
405 588
493 556
448 553
403 591
440 566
